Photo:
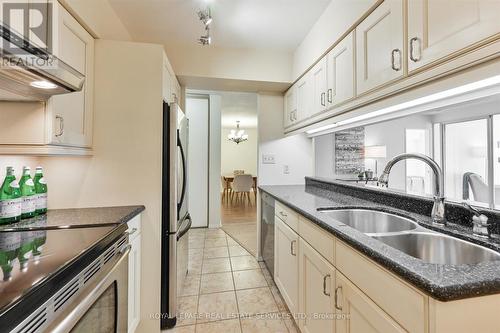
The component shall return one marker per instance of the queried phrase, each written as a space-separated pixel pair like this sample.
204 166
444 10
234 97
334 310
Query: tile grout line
234 286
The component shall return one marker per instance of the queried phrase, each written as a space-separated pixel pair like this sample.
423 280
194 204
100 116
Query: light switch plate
286 169
268 159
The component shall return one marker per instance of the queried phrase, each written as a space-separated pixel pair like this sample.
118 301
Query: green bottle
25 250
40 237
28 206
10 199
41 192
9 243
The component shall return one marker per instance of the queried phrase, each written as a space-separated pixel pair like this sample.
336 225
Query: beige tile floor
228 291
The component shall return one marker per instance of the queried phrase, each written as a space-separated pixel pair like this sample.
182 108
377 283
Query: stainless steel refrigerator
176 220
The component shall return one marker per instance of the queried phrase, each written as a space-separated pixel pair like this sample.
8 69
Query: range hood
28 72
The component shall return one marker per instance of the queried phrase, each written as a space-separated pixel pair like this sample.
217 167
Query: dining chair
226 189
241 187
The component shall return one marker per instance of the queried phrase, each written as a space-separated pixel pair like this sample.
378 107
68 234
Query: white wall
241 156
296 151
197 111
214 198
333 23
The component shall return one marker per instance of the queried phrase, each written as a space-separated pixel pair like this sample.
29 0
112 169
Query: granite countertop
442 282
76 218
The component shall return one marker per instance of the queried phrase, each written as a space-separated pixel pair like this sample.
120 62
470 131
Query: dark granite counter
39 256
442 282
76 218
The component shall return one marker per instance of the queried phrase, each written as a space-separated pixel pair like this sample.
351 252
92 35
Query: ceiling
260 24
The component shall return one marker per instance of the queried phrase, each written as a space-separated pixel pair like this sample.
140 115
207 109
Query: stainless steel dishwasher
267 231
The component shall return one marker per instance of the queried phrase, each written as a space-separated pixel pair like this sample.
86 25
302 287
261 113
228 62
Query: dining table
229 178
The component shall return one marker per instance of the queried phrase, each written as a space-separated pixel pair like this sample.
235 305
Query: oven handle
89 297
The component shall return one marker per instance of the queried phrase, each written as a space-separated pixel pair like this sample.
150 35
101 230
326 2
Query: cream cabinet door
356 313
286 266
71 114
304 98
319 86
134 284
167 85
316 291
340 69
438 28
290 111
379 46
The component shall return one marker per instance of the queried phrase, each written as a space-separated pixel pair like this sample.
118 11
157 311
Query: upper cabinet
319 84
290 114
70 115
171 87
396 46
340 68
304 93
379 46
439 28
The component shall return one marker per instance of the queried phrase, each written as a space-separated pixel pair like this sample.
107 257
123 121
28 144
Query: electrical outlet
286 169
268 159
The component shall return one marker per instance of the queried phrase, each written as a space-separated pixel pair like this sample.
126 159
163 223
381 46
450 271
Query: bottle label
30 182
42 181
10 208
28 204
41 201
14 184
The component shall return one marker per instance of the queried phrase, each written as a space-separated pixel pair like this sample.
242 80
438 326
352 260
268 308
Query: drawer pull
330 95
324 285
337 291
133 231
323 95
61 125
292 248
283 214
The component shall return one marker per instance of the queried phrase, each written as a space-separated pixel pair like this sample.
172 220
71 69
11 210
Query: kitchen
377 121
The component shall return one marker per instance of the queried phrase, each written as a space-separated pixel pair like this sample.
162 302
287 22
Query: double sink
409 237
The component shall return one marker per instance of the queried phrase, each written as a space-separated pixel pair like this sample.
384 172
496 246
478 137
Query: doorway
239 135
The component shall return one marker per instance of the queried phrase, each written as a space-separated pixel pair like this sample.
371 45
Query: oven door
102 306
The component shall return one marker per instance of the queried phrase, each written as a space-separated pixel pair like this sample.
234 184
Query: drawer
319 239
134 227
383 288
287 215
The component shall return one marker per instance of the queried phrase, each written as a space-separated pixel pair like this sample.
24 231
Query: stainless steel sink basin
438 248
371 221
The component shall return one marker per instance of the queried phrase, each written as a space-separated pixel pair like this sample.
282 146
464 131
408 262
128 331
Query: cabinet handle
283 214
292 248
337 290
290 116
61 125
412 41
133 231
324 285
330 95
323 99
393 58
294 115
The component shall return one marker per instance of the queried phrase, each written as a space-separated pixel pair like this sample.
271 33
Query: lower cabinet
286 266
356 313
134 277
316 291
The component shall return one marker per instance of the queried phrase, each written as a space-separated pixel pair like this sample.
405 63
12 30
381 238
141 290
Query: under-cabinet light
43 85
416 102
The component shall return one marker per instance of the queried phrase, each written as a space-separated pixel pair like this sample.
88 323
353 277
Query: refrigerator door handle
184 177
185 229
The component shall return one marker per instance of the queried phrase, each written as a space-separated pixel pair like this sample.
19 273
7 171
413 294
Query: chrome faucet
438 208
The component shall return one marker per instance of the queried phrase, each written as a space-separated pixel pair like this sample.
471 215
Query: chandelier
237 135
